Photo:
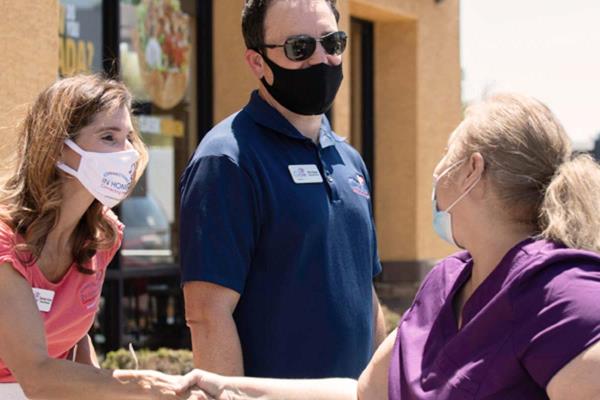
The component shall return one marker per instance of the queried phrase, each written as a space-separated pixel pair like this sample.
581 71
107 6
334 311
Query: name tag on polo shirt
305 173
43 298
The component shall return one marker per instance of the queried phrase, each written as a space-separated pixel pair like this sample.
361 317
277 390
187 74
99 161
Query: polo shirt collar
328 137
263 114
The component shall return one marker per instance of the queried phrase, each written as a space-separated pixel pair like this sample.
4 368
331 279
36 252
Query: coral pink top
76 295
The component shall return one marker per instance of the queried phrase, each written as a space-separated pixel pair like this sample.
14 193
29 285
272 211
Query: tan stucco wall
417 104
29 61
417 74
233 80
439 108
342 118
396 131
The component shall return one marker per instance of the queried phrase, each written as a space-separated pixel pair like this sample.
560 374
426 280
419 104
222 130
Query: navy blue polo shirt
301 253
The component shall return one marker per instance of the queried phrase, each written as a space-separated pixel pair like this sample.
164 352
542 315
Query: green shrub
391 318
174 362
180 362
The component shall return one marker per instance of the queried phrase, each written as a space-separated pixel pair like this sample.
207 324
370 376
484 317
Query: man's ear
255 62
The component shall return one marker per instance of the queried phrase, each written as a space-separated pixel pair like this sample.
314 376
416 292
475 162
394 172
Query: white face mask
107 176
442 220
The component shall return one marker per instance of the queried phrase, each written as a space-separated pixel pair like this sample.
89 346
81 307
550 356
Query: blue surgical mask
442 220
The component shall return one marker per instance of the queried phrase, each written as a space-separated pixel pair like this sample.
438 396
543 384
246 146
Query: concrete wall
29 61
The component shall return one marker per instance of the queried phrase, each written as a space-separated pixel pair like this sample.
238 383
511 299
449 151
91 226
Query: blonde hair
31 198
529 160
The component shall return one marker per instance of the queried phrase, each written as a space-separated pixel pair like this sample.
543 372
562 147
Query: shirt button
329 179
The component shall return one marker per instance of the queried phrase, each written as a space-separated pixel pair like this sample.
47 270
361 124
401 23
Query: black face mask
308 91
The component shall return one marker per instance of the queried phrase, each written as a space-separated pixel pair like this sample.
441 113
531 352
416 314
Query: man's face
286 18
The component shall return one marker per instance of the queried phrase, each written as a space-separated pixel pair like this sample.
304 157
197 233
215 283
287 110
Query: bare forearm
216 346
62 379
242 388
380 333
380 330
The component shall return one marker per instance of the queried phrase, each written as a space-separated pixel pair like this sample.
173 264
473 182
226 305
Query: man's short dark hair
253 21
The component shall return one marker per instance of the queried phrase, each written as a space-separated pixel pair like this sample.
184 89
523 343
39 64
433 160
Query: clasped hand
196 385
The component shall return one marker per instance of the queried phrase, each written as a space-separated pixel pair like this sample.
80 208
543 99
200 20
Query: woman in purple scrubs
516 315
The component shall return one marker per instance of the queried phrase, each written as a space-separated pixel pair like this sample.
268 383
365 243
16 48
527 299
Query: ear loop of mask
75 147
436 178
466 192
77 150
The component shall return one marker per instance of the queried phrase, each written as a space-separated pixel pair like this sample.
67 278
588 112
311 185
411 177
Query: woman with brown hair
78 155
517 314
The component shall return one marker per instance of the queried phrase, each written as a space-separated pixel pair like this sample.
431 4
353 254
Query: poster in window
161 39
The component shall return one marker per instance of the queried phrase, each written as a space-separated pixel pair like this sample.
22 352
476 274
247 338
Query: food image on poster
161 39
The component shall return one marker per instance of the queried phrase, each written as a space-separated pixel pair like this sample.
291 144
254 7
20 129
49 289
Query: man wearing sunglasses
278 247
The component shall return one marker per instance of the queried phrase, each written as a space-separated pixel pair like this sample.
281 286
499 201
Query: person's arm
209 315
219 229
84 353
24 351
378 323
578 380
220 387
372 384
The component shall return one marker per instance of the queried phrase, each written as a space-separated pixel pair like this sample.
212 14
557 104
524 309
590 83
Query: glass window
80 37
155 56
142 301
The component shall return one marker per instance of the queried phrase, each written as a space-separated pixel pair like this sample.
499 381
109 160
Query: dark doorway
362 89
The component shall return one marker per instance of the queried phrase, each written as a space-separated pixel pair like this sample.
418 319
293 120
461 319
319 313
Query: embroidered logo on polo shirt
359 186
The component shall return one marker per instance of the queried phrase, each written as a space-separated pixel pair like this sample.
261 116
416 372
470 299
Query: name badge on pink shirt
43 298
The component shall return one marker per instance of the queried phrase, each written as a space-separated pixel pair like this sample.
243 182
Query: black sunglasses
301 47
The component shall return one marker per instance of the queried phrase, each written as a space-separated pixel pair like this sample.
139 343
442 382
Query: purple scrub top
536 311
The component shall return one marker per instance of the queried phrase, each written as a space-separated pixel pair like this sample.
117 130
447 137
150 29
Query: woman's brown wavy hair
31 198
